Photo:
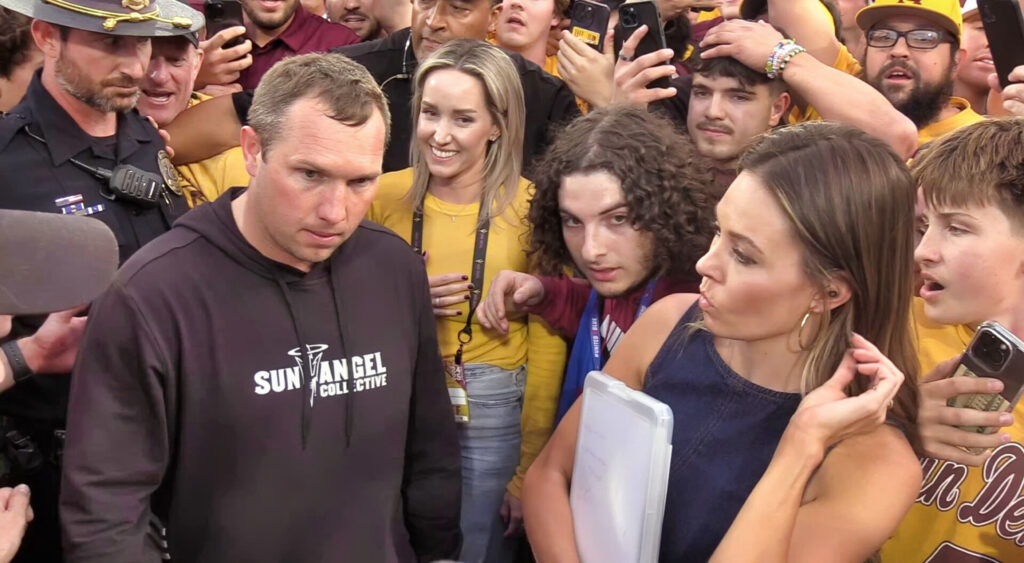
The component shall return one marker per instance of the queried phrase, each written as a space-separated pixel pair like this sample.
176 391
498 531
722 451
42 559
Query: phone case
220 15
1011 374
590 23
631 17
1004 27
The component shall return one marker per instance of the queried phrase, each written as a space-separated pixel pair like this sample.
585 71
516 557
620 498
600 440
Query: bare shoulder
638 348
857 498
872 478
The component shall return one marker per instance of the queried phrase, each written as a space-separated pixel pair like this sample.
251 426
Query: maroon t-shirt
565 299
306 34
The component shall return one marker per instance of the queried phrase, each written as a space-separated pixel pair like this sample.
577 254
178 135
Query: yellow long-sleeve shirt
449 232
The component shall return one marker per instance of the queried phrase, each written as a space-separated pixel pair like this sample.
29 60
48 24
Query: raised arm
809 24
836 95
204 130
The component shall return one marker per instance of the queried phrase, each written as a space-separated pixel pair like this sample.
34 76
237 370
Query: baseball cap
944 13
51 262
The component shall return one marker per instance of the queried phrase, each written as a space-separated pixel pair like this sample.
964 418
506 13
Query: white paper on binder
620 475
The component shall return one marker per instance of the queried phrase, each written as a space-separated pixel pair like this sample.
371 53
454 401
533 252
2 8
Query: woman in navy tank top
783 372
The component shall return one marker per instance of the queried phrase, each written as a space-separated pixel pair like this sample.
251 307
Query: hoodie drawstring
307 379
306 418
341 339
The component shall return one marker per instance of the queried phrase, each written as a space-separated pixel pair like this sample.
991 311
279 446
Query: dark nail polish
465 278
470 287
467 298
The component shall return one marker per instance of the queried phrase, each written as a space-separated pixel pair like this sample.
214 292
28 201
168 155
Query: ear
957 57
252 150
779 108
492 23
200 55
47 38
837 292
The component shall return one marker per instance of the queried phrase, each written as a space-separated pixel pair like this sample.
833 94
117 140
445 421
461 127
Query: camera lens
628 16
992 352
583 14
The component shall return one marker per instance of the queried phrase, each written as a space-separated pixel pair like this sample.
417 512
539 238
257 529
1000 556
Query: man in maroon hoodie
263 382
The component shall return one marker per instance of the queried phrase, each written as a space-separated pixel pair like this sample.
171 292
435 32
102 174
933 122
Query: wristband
783 52
19 367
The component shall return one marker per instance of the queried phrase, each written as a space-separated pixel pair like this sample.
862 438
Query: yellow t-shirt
212 176
963 118
449 233
963 510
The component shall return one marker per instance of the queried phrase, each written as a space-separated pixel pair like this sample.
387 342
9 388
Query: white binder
620 475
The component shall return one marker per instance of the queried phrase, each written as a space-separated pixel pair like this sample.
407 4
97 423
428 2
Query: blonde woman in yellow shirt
462 195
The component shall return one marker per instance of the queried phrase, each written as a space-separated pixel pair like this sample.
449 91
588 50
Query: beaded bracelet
780 57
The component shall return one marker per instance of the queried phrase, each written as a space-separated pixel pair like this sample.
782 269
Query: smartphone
220 15
631 17
590 23
993 352
1004 27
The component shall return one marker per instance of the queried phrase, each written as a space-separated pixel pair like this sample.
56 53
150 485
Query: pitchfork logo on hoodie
326 377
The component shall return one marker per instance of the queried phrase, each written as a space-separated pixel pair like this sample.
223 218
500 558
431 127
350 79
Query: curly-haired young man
621 198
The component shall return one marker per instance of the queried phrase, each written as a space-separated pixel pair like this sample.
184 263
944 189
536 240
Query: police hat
138 18
51 262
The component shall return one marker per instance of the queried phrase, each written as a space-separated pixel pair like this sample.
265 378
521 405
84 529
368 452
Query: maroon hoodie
193 402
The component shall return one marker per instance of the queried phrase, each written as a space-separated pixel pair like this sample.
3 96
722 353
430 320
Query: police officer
75 145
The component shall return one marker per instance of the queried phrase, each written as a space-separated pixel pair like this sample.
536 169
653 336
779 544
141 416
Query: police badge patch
168 172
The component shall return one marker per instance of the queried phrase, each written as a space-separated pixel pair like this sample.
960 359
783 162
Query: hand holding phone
997 353
590 23
1004 27
222 14
633 17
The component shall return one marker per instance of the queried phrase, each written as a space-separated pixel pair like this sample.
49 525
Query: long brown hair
850 199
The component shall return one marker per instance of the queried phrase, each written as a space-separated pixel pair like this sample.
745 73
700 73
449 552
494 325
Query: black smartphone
631 17
590 23
993 352
1004 27
220 15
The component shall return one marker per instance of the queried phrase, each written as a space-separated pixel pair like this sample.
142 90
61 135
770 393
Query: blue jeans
490 453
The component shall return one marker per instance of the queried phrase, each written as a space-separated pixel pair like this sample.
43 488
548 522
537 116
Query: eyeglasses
921 39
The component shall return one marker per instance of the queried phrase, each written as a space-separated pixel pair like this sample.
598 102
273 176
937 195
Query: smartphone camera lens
628 16
992 351
583 14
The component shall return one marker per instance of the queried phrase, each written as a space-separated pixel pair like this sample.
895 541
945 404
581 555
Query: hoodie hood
216 223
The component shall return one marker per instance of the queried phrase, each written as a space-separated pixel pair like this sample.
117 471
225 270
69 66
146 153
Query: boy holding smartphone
971 257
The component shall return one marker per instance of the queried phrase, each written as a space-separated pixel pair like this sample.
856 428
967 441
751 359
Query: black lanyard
477 273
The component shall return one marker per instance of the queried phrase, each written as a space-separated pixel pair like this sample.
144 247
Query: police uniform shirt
37 176
40 177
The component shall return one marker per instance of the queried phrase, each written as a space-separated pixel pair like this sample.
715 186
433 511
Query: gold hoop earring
800 331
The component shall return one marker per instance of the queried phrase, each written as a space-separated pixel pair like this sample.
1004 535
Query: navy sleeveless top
725 432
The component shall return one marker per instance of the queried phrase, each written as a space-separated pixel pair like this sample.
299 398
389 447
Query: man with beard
357 15
74 145
913 53
279 29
